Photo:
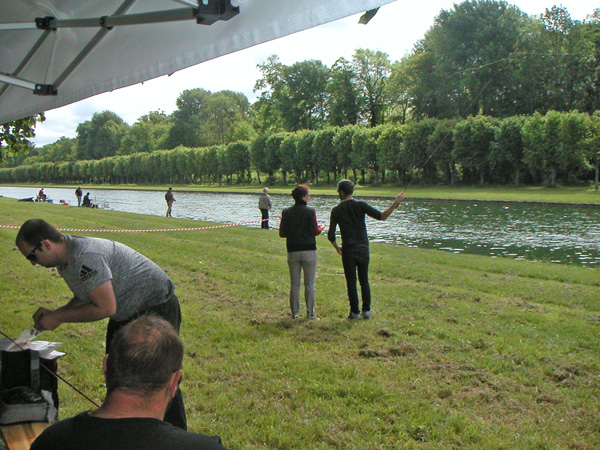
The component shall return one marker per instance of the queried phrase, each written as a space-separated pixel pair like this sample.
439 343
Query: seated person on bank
142 372
86 201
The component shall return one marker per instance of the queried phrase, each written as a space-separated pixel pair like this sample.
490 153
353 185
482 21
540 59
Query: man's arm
102 304
331 233
387 212
318 228
337 247
282 232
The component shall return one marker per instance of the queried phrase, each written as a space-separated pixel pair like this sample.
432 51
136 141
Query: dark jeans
171 312
356 259
265 218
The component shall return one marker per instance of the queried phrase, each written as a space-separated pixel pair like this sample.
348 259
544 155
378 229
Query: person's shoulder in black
92 433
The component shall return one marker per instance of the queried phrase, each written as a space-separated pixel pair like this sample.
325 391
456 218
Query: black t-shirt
84 432
350 216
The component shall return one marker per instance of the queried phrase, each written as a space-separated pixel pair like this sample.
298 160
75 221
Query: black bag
28 388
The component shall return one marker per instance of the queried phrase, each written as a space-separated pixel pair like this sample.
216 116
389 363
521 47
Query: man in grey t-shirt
108 280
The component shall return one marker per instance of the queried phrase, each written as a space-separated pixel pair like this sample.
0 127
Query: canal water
559 234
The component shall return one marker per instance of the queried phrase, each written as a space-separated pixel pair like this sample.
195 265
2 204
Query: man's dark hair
35 231
144 355
299 192
346 187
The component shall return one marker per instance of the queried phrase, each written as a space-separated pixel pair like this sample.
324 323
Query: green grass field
463 352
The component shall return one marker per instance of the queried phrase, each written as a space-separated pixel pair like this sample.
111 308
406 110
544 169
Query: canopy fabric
66 59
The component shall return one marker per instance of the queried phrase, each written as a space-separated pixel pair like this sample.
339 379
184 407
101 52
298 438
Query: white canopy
56 52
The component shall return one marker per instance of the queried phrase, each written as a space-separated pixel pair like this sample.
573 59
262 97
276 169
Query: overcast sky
394 30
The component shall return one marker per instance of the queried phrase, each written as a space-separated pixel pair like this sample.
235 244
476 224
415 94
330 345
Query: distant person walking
350 214
265 204
79 195
299 226
169 199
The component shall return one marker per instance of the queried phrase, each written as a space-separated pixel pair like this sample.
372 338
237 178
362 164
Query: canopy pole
38 89
27 58
90 46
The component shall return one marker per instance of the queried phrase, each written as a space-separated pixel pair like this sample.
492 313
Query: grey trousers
298 262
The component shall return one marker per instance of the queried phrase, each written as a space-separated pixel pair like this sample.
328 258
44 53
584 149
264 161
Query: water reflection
561 234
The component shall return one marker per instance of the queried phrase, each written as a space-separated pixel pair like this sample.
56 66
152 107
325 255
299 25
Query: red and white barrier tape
148 231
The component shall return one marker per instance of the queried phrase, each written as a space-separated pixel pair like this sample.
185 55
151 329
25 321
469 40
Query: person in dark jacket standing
169 198
350 214
299 226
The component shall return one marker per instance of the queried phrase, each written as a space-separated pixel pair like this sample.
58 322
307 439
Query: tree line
480 59
541 148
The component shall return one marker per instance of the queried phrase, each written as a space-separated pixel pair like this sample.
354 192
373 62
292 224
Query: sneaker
294 316
366 315
354 316
312 317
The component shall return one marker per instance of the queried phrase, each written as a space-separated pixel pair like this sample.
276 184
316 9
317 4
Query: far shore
586 196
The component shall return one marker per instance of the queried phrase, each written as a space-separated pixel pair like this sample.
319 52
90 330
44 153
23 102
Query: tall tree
555 144
398 91
371 69
101 136
506 157
224 111
187 119
204 118
473 141
294 94
342 95
468 52
149 133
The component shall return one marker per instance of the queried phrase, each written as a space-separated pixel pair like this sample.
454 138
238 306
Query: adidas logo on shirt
86 273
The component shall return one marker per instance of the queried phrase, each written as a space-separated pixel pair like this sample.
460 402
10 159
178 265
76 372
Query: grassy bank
538 194
463 352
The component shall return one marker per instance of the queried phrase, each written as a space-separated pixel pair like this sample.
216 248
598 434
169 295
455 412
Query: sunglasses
31 256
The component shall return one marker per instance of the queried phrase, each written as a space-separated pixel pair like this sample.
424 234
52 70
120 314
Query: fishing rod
446 136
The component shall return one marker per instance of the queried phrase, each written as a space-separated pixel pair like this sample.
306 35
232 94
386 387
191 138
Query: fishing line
55 375
446 136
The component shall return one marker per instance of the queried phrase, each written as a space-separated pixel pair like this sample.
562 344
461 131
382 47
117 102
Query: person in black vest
299 226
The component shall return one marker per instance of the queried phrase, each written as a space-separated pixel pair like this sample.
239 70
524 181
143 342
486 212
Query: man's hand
386 213
337 247
44 319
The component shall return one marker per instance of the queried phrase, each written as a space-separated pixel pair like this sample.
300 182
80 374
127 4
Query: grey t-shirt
138 283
